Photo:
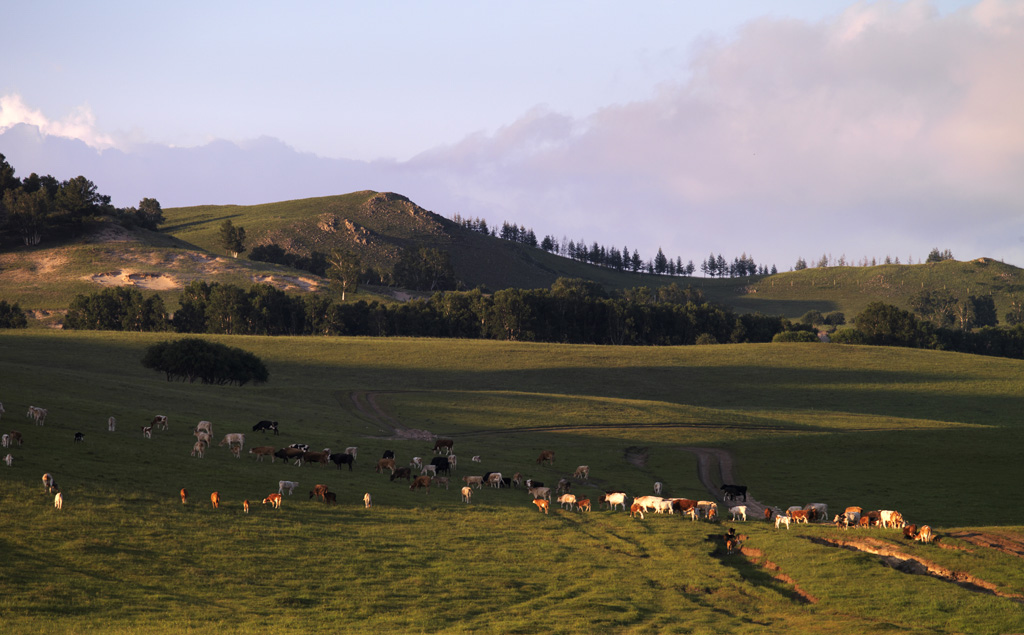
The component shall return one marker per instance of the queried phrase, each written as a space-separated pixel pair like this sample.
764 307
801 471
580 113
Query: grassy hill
932 434
378 226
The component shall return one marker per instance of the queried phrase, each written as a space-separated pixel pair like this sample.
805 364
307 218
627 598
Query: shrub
795 336
11 316
194 358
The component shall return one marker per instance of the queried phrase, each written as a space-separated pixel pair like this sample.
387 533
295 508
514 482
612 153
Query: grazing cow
261 451
428 469
159 422
300 446
316 457
567 499
8 459
467 494
287 454
547 456
925 535
636 510
740 511
494 479
819 511
245 506
476 458
563 485
198 449
385 464
858 510
541 492
713 514
443 464
865 522
453 461
443 445
286 485
532 483
352 451
658 487
852 518
441 480
203 437
147 432
663 506
111 424
841 521
648 503
910 532
318 491
542 504
707 509
5 440
517 479
685 506
236 451
416 462
48 483
782 520
58 501
215 500
79 437
274 499
402 472
891 519
233 438
800 515
421 481
367 501
265 425
342 458
614 499
205 426
37 414
732 541
184 495
583 505
388 454
474 480
874 518
16 438
734 491
330 498
582 472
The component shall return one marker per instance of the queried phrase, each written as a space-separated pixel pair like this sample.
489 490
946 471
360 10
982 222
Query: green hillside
934 435
378 226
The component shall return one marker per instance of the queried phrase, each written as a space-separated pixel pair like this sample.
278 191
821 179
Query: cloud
887 130
79 124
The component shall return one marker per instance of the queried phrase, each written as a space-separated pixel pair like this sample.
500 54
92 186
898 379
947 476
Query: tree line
620 260
570 311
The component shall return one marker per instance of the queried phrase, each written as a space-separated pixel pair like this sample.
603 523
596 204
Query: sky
781 130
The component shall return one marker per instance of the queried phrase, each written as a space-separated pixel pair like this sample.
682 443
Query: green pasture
934 435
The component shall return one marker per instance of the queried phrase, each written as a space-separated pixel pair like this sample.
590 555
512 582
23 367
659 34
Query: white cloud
79 124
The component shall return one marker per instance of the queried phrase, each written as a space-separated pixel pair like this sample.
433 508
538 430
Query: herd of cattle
437 472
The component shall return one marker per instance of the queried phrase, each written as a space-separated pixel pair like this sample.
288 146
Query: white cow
198 449
206 427
416 462
111 424
782 520
5 440
8 460
351 451
367 501
286 485
648 503
740 511
428 469
582 472
891 519
614 499
567 499
494 480
657 488
58 501
467 494
37 414
233 438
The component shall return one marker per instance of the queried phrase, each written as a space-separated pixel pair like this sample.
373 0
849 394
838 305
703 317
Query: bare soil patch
128 278
288 283
1012 545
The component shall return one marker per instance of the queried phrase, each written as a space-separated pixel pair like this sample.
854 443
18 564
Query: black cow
388 454
79 437
265 425
443 466
340 458
732 492
402 472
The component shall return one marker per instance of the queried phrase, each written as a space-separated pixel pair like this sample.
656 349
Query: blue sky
783 130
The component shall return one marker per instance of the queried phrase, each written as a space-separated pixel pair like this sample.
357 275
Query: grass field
934 435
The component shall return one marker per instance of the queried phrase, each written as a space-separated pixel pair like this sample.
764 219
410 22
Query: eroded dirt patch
128 278
756 556
901 561
1010 545
288 283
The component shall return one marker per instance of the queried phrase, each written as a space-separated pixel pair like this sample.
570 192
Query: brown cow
184 495
274 499
262 451
635 510
443 444
215 499
800 515
385 464
583 505
542 505
547 456
421 481
318 491
925 535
